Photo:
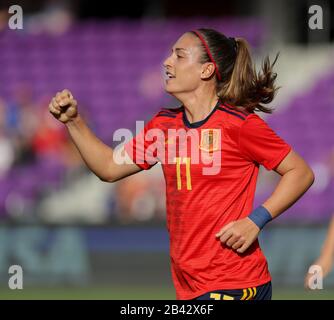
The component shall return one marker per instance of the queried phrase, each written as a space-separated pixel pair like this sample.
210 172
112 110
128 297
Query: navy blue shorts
262 292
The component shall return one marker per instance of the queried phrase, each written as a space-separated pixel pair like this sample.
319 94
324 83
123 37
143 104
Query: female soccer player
213 228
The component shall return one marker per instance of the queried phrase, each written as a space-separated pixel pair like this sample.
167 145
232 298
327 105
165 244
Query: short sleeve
259 143
138 148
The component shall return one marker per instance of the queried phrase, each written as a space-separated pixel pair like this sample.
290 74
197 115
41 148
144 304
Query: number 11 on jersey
186 161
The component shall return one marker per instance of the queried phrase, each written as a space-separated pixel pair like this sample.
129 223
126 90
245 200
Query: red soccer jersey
200 204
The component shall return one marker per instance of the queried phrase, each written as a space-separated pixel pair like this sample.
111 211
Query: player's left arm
296 179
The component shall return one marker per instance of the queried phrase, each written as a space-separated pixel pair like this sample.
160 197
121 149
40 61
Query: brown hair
238 83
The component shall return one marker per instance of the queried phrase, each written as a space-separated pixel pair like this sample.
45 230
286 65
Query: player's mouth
169 75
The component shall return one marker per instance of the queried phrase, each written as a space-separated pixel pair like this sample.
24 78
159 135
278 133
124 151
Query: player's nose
167 63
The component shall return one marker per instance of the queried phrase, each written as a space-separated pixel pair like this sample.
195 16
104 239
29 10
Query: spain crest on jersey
210 140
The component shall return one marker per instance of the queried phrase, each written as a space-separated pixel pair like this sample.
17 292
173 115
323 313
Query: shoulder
240 117
254 123
169 112
235 115
165 116
238 122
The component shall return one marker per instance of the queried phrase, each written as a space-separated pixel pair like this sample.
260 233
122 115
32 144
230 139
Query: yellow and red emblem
210 140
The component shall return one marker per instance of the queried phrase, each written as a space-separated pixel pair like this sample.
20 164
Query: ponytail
246 87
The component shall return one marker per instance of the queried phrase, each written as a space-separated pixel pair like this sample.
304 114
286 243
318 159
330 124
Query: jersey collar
198 124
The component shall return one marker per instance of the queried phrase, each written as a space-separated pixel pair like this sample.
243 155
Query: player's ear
208 69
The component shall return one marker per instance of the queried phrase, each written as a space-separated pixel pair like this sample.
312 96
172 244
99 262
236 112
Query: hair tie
234 43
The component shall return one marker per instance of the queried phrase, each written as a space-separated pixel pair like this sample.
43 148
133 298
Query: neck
198 104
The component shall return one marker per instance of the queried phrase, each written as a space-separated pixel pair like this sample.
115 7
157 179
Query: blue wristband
260 216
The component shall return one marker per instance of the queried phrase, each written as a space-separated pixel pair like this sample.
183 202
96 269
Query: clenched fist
239 234
63 106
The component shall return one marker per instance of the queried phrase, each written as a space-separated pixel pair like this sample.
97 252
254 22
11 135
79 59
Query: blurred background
77 237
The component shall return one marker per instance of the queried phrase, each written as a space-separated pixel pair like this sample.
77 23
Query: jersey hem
223 287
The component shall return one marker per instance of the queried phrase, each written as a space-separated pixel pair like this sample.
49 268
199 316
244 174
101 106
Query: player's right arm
98 156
